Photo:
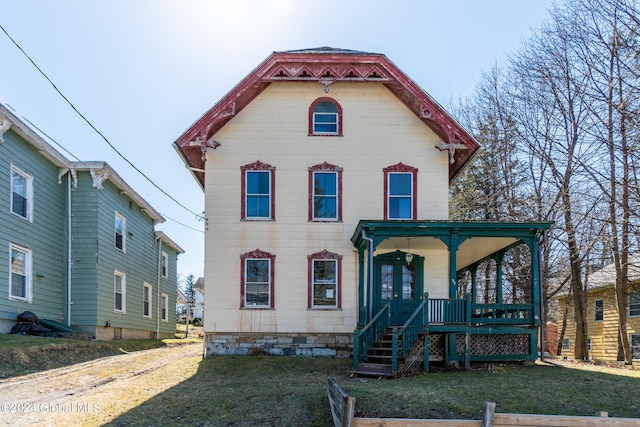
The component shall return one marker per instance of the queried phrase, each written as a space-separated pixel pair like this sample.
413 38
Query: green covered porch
452 291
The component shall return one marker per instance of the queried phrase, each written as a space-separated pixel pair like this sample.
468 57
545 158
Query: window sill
257 308
258 219
325 134
338 221
324 309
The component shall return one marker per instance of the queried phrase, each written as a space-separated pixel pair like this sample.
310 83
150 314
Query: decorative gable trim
4 126
325 66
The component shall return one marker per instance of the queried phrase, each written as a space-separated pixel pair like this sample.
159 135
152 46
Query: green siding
45 236
96 259
94 256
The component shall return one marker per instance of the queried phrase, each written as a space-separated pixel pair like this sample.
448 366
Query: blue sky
142 71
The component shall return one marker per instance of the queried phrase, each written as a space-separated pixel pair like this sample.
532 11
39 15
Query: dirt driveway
95 392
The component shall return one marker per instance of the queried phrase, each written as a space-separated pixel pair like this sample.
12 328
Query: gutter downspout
370 278
158 290
69 264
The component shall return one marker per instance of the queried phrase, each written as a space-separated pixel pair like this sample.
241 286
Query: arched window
325 117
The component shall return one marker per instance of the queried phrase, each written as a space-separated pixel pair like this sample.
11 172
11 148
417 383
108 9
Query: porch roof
478 240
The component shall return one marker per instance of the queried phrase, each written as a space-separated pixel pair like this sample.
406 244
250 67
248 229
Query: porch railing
501 314
408 333
364 338
448 311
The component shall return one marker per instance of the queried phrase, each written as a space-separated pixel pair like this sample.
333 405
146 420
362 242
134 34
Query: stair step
373 370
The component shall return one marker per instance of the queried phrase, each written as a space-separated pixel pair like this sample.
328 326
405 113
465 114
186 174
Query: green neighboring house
78 245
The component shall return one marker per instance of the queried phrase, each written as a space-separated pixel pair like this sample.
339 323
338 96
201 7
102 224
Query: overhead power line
94 128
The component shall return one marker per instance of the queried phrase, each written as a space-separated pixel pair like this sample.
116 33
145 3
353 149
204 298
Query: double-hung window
598 310
120 232
325 271
20 278
119 292
400 192
146 300
325 117
257 279
258 185
165 308
325 193
21 193
634 304
634 341
165 265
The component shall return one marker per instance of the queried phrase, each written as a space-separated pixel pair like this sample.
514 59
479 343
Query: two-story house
78 245
602 315
326 175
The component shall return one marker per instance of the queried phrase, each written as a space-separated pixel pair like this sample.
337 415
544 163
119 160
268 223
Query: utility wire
94 128
199 217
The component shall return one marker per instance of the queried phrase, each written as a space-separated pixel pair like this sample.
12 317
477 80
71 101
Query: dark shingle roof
327 49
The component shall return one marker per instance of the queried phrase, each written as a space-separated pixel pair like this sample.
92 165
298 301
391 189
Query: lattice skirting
413 363
489 345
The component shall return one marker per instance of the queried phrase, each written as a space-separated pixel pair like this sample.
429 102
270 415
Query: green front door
398 284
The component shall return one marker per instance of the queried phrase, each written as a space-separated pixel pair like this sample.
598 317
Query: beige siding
378 131
603 334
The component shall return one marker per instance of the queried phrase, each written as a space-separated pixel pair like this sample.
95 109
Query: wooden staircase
379 357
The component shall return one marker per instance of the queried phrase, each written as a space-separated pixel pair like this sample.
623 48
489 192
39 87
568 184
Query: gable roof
606 276
11 119
325 65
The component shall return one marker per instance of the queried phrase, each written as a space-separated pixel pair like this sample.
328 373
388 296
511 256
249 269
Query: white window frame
29 195
123 292
247 284
164 314
165 265
248 195
316 282
27 270
147 301
123 221
410 196
596 310
634 355
566 344
315 196
636 304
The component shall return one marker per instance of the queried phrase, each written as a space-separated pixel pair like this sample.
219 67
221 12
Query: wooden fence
342 407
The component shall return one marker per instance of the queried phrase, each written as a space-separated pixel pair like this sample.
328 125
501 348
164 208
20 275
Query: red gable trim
326 68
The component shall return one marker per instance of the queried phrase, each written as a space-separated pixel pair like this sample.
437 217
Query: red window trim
257 166
324 254
400 167
313 106
325 167
257 254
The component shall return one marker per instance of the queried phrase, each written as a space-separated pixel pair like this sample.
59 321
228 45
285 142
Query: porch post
535 279
498 260
454 243
361 288
474 271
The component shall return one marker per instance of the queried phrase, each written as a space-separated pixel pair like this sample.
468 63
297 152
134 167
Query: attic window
325 117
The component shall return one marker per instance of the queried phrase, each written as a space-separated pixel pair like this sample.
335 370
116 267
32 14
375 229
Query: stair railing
409 331
363 339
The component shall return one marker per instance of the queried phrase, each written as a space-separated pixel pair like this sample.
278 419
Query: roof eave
334 66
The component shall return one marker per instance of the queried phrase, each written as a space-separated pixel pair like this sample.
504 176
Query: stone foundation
279 344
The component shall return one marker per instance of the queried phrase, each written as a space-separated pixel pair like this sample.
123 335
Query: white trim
29 191
123 234
164 266
123 291
27 272
164 305
148 302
